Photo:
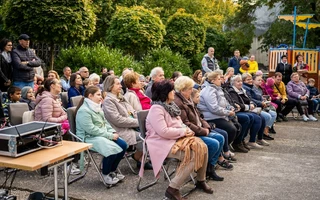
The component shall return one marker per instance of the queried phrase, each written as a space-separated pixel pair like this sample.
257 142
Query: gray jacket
213 104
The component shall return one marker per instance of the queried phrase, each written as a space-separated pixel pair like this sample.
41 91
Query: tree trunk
51 55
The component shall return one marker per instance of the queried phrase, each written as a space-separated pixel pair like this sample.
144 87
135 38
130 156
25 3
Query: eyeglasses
9 45
85 71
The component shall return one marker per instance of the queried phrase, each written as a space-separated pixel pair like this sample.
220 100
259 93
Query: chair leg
141 188
130 166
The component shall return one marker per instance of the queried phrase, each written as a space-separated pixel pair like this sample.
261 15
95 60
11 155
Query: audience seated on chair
298 91
93 128
314 95
122 116
27 96
76 88
165 135
13 96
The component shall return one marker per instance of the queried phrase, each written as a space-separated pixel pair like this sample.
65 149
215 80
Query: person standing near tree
24 61
5 64
235 62
209 63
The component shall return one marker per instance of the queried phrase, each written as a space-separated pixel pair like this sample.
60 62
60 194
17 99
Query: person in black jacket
24 61
285 69
5 64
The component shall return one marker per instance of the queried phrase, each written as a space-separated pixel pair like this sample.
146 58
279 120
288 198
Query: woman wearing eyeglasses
5 64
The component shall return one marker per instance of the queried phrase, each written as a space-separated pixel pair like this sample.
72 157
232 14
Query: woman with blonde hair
53 74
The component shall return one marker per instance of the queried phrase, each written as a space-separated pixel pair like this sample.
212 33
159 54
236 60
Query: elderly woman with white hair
95 79
240 97
190 116
157 75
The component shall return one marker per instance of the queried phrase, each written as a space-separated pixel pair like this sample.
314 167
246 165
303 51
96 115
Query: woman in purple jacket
297 90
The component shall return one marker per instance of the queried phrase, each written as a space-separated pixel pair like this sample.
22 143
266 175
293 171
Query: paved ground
288 169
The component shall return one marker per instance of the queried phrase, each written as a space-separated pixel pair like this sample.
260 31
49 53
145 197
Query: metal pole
65 180
305 34
294 27
55 174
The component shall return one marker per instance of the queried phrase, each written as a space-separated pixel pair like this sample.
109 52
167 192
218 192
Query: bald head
210 51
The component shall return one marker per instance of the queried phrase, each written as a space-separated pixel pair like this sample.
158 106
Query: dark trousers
110 163
310 107
228 126
289 105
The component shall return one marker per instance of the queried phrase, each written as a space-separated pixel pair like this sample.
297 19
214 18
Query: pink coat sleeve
157 120
47 109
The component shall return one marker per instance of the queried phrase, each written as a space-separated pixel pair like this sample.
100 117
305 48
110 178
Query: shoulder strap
277 88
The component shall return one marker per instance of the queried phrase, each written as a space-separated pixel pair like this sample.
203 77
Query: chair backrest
142 116
71 113
64 99
16 111
75 100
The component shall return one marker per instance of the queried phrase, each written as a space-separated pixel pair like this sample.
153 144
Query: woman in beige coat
121 116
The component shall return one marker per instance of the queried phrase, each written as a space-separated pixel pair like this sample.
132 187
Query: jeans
269 117
257 127
246 121
214 142
227 126
110 163
315 103
224 133
22 84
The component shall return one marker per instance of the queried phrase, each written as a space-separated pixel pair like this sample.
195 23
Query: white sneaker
312 118
74 169
111 179
118 175
263 142
305 118
232 154
253 145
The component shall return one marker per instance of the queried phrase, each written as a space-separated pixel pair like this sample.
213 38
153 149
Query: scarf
188 144
171 108
96 107
6 56
190 102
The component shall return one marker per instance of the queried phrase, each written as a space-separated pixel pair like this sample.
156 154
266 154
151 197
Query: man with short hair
24 61
209 63
235 62
157 75
282 99
84 73
65 78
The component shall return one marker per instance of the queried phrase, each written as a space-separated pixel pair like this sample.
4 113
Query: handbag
303 102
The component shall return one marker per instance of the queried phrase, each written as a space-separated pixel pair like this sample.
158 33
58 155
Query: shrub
95 57
135 30
168 60
185 33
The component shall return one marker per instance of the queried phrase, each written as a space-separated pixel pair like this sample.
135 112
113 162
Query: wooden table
45 157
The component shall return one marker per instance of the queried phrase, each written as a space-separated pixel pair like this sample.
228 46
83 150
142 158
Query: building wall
261 57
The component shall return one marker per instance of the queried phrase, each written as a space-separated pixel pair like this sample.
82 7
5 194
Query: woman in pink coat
164 128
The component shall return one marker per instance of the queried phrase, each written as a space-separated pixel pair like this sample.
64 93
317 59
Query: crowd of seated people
214 116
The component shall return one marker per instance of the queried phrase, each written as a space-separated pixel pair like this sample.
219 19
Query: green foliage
185 34
195 61
219 42
95 57
168 60
135 30
52 21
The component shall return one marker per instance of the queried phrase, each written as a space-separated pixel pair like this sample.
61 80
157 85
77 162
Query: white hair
235 78
155 71
94 76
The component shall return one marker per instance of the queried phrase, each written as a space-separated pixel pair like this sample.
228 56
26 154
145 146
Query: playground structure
310 56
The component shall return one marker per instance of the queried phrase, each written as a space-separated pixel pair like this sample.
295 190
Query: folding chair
71 112
16 111
75 100
142 115
64 99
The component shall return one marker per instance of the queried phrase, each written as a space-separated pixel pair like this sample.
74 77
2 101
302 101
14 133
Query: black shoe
239 148
230 158
245 145
267 137
278 119
147 165
211 174
271 130
284 118
225 165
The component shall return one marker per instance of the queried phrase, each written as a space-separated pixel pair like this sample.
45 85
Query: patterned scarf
171 108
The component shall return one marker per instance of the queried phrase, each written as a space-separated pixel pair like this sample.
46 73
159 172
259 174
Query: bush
135 30
95 58
168 60
185 33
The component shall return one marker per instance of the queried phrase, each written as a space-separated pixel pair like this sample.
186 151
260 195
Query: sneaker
263 142
305 118
118 175
254 145
245 145
284 118
74 169
225 165
267 137
111 179
312 118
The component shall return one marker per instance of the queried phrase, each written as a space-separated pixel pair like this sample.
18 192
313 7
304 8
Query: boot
245 145
239 148
174 194
211 173
204 186
271 130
